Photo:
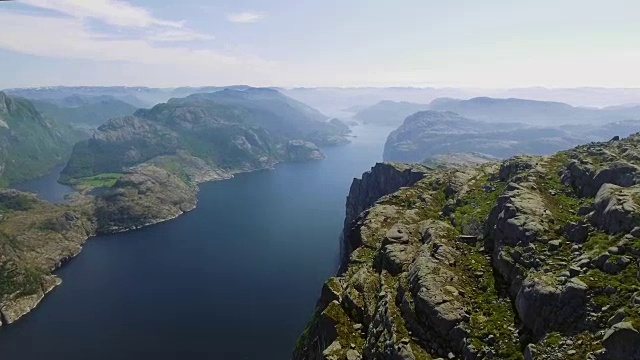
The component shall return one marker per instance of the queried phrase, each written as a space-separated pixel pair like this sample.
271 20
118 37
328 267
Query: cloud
113 12
178 35
120 15
245 17
68 38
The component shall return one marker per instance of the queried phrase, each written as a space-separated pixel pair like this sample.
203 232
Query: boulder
615 210
544 306
618 317
586 180
622 341
353 355
577 232
431 282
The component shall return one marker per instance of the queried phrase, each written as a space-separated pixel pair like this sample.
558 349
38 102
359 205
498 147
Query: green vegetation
561 200
597 242
33 144
477 202
14 279
344 326
626 284
101 180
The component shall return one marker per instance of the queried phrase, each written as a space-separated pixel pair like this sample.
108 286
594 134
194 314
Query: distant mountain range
140 97
84 112
531 112
430 133
344 102
390 113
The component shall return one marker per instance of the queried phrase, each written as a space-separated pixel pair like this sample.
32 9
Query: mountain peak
6 104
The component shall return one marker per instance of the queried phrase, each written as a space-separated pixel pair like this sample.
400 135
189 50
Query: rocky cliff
381 180
534 258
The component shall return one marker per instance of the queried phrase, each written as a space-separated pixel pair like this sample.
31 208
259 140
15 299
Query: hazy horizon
287 44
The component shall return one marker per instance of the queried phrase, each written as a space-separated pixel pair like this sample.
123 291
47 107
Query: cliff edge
531 258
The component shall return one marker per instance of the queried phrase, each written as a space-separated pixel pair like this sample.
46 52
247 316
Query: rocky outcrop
299 150
510 261
615 208
584 177
544 306
144 195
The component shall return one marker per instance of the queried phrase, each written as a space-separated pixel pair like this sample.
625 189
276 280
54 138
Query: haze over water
237 278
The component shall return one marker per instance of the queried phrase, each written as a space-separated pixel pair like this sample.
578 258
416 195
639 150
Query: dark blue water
237 278
47 187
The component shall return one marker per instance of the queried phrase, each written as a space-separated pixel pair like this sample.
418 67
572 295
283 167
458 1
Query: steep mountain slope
229 130
30 144
532 112
429 133
388 113
84 112
534 258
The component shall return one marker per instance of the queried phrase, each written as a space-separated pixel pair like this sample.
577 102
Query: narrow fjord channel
237 278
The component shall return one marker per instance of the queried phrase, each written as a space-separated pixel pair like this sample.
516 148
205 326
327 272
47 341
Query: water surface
237 278
47 187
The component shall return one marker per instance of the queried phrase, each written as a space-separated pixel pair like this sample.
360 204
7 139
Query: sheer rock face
381 180
535 258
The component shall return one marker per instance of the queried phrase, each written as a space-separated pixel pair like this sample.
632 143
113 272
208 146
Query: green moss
626 284
554 339
491 310
598 242
583 344
561 200
476 204
344 326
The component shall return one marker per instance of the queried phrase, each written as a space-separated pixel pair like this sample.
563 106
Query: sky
457 43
